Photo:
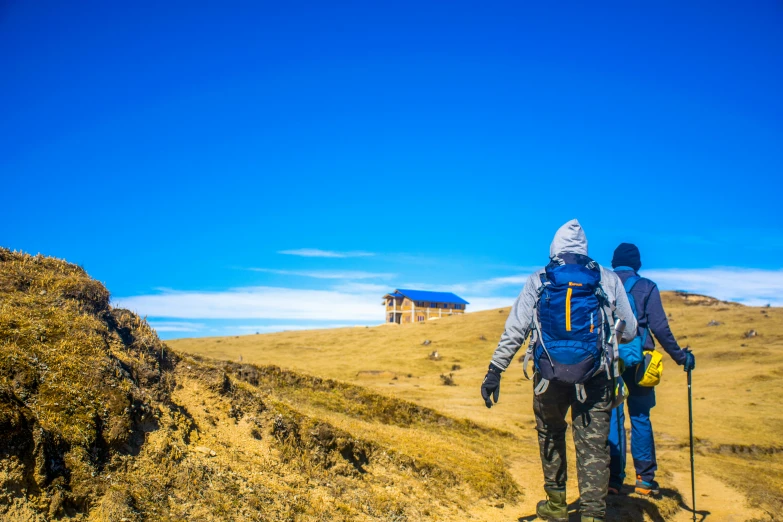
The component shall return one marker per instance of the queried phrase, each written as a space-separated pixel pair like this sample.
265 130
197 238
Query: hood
570 238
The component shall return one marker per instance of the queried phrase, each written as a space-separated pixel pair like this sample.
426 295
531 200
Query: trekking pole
690 421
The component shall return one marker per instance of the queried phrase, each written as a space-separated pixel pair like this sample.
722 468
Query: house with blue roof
416 306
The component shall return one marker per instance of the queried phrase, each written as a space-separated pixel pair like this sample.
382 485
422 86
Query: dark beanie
627 255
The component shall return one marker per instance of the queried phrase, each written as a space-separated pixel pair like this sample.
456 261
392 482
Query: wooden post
394 317
413 311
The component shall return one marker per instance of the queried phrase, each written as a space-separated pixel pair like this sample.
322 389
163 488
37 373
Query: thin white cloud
481 287
176 326
266 328
478 304
458 288
326 274
258 303
755 287
315 252
513 280
750 286
353 303
353 288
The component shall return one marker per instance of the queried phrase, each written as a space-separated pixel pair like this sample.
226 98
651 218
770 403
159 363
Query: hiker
646 299
569 308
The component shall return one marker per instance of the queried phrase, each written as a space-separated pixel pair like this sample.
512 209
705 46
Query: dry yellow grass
737 390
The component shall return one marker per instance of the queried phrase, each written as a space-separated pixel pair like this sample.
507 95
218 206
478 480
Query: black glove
690 360
491 385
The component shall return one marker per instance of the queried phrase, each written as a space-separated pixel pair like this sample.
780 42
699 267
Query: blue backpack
571 326
632 353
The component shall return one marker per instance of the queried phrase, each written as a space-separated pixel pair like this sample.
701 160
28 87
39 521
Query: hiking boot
647 489
615 489
555 508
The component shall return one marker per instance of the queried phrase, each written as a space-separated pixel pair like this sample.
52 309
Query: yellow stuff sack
650 369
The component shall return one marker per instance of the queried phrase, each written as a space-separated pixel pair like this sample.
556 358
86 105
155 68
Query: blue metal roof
433 297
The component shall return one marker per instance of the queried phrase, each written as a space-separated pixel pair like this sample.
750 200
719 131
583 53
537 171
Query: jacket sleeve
517 325
659 325
615 291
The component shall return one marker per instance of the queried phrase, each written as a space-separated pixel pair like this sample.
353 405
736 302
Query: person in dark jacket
651 316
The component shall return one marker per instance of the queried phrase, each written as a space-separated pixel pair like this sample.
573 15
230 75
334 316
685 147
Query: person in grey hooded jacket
590 417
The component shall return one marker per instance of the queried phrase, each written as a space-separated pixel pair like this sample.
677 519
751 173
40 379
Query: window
445 305
433 305
421 318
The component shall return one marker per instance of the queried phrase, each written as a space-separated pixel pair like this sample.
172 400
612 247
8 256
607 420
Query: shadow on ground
633 508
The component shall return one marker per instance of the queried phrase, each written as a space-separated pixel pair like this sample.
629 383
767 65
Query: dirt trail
715 501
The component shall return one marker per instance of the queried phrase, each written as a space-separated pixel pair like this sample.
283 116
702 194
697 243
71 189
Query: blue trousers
642 440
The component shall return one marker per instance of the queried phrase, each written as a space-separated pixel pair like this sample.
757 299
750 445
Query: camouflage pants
591 421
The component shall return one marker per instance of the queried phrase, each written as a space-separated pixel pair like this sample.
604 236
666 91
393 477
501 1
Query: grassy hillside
100 421
737 386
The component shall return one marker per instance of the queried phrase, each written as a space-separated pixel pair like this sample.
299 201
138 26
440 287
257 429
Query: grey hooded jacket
570 238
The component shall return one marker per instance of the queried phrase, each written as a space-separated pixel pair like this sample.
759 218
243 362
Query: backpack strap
529 352
537 326
526 362
544 282
630 283
537 334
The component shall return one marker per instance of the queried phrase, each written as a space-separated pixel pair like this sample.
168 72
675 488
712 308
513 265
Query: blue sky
196 156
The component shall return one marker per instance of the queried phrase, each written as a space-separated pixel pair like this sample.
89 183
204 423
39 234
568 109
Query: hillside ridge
100 420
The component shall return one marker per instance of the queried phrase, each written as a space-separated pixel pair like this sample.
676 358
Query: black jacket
649 310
